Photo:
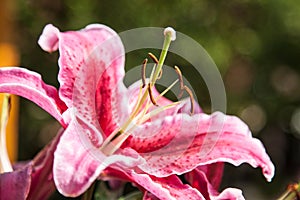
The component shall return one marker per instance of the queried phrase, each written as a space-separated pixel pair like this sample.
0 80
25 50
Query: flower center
141 112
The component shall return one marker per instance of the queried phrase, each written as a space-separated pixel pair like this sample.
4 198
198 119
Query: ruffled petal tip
48 40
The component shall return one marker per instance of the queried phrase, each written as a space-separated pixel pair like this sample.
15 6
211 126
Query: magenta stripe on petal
178 144
91 71
77 162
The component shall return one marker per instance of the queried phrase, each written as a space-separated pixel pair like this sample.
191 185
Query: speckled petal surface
97 44
77 162
29 85
178 144
91 72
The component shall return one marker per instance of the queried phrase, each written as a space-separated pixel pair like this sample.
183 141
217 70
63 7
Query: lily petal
77 162
48 41
176 145
229 193
91 71
212 173
200 180
168 188
42 184
16 184
29 85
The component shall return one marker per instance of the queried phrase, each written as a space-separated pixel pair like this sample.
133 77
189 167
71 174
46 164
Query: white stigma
171 32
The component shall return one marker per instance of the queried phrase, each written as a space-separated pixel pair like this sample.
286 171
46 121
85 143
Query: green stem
115 140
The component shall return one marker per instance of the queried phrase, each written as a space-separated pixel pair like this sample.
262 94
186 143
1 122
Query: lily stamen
144 72
166 90
152 72
177 70
139 98
115 139
161 95
191 98
151 95
158 110
116 142
153 57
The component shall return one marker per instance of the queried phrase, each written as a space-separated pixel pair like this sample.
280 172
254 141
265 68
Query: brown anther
160 74
151 95
294 188
153 57
191 98
144 72
177 70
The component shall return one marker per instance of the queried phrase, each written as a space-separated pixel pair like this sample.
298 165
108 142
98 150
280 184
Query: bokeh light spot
254 116
295 122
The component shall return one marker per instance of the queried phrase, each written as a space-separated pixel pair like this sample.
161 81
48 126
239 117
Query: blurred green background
255 44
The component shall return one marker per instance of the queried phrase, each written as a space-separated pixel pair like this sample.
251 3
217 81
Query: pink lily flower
116 132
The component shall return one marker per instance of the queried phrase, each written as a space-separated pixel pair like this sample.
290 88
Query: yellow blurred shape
9 57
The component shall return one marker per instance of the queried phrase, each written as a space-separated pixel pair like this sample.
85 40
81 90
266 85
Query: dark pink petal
77 162
29 85
213 172
202 175
91 72
42 184
16 184
178 144
199 180
154 188
111 104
